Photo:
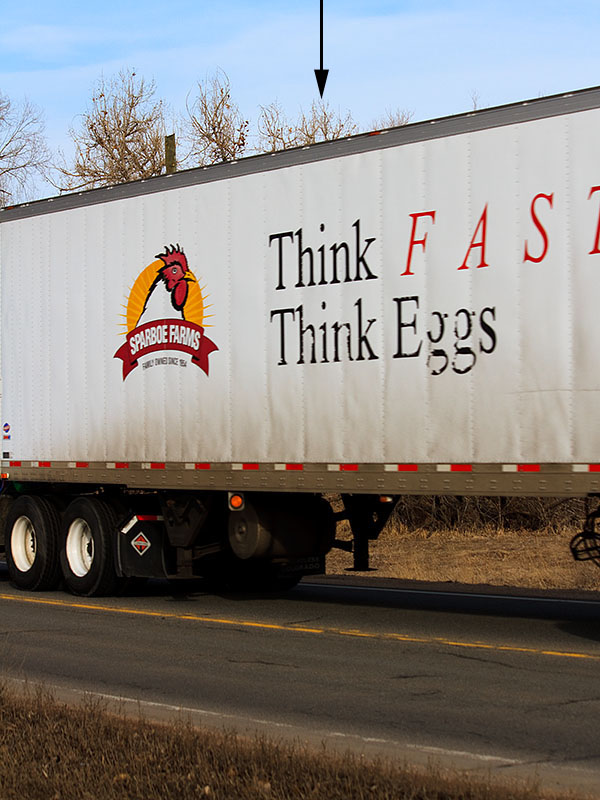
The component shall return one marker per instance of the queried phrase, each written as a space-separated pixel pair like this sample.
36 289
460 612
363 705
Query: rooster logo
175 275
166 310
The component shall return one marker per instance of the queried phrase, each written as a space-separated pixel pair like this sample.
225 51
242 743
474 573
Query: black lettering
401 324
281 312
337 327
280 237
442 328
488 330
463 350
362 337
335 249
310 329
360 257
307 251
323 329
437 352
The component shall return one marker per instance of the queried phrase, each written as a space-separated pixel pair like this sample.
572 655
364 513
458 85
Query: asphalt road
489 684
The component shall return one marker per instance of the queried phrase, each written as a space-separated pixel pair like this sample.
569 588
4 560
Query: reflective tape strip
141 518
129 525
299 467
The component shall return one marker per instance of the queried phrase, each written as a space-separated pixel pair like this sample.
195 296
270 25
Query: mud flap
140 549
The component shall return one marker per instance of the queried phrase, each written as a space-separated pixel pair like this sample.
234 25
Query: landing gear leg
367 516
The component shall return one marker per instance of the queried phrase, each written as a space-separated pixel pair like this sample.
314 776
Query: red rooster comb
174 256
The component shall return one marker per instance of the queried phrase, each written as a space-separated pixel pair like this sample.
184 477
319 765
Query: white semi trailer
189 363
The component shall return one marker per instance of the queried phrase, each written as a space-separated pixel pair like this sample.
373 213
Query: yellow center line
241 623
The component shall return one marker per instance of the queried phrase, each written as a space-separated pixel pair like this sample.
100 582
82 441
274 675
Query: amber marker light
236 501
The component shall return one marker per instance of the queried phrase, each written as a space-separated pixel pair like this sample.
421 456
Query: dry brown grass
50 751
499 542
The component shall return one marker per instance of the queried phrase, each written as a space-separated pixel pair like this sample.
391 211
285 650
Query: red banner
166 334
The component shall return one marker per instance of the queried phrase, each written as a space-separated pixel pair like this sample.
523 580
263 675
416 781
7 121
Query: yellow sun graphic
194 309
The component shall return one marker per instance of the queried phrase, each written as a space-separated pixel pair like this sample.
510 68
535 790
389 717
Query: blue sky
426 57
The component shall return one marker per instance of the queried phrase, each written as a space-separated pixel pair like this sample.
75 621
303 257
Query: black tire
87 553
32 536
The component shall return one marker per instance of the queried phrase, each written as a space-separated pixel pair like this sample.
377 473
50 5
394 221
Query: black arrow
321 74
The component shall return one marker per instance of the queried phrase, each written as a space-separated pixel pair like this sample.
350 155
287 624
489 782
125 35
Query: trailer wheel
87 552
32 537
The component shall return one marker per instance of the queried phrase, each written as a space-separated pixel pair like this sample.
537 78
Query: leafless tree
121 135
320 124
215 129
392 119
475 100
23 151
275 131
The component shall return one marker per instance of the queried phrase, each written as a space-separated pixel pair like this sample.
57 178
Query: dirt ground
474 554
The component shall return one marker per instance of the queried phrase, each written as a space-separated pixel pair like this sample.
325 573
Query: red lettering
478 243
596 247
414 241
527 255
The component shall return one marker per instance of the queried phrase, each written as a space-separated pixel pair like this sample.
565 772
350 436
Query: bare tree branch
215 129
323 124
23 150
392 119
320 124
121 137
275 132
